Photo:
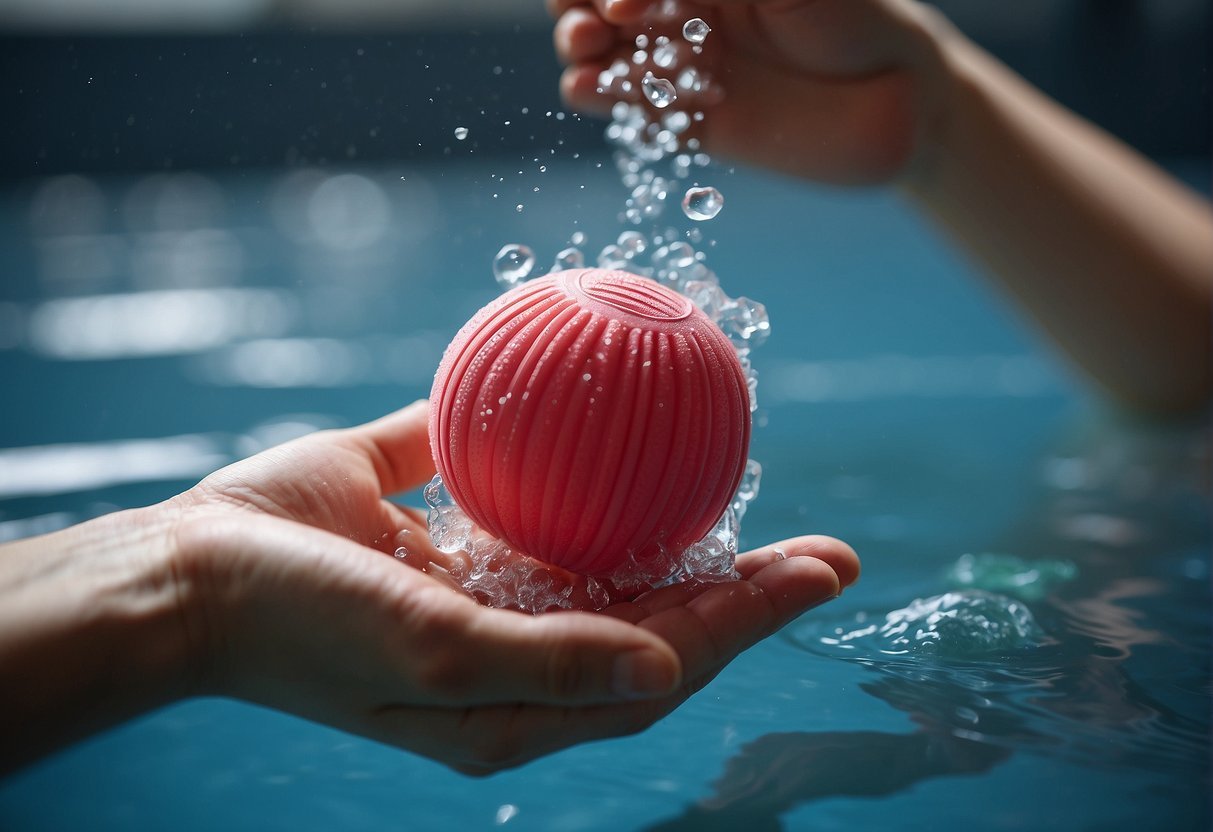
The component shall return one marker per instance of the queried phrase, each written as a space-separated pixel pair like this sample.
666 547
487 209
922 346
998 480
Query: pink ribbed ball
589 416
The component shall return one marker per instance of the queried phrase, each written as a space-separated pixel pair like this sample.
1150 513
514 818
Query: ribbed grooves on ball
579 438
647 300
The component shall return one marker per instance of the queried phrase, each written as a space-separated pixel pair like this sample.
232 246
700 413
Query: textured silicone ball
589 416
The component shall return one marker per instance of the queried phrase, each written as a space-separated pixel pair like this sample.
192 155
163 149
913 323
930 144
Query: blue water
905 408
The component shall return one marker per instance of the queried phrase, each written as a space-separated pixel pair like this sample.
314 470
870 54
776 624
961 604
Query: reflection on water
1100 661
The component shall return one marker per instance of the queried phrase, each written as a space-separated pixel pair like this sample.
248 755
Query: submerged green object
1028 580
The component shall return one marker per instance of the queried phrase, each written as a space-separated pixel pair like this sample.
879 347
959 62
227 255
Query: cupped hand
835 90
301 607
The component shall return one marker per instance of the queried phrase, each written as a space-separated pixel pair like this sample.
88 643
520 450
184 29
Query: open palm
304 612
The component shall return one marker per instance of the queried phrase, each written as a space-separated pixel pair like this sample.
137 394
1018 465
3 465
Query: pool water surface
155 328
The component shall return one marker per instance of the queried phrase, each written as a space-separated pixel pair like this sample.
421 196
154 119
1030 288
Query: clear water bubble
679 255
677 121
639 57
632 243
745 322
659 91
649 198
513 265
702 204
613 257
569 258
461 133
696 30
690 80
642 41
577 238
665 56
708 296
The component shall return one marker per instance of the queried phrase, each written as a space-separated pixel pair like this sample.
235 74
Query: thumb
562 658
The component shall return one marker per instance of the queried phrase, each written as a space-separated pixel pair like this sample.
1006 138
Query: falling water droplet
461 133
659 91
702 203
665 56
513 264
569 258
696 30
632 243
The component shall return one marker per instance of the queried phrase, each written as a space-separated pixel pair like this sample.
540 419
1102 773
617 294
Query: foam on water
963 624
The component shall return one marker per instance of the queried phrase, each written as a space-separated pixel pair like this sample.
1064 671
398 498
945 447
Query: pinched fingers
580 35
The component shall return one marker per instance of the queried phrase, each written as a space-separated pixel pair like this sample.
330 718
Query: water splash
966 624
498 576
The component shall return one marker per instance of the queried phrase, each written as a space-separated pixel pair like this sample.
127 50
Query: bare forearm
90 632
1105 251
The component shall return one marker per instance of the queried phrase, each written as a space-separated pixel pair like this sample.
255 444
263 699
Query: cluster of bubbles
489 570
658 162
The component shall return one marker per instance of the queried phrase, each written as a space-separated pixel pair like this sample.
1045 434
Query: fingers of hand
615 11
709 624
838 555
581 35
397 445
496 656
483 740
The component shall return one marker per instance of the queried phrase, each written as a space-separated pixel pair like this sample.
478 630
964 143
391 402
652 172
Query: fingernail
643 674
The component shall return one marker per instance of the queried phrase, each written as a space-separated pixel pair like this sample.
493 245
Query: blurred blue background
226 223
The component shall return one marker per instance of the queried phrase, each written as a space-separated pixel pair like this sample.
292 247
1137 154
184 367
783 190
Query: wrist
93 629
951 80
